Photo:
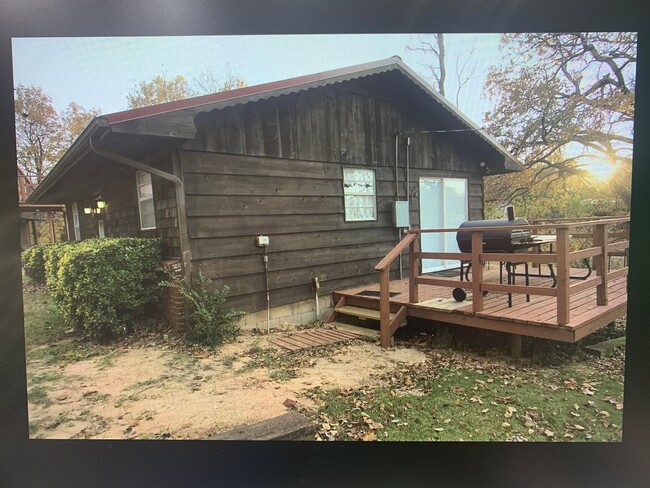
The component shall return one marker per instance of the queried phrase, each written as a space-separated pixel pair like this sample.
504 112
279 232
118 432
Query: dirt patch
154 391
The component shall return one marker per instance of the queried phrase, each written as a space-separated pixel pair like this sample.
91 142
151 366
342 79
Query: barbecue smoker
496 241
505 241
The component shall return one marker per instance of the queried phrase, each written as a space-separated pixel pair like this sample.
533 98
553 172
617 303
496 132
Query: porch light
96 208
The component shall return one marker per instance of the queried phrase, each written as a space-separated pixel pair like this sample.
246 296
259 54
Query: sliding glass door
443 205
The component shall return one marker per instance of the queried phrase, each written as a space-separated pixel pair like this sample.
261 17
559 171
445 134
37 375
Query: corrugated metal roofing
269 89
215 101
291 85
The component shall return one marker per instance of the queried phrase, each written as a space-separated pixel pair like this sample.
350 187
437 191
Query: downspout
399 231
186 255
408 180
396 167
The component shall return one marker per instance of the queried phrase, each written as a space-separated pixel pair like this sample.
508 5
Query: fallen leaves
502 399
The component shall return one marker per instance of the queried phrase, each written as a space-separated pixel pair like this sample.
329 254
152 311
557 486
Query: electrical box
401 213
262 241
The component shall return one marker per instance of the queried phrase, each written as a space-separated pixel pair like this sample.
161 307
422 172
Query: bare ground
153 391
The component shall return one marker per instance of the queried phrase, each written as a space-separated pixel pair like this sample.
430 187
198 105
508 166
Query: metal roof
291 85
266 90
189 107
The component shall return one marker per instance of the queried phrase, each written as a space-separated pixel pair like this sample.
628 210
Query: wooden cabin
288 191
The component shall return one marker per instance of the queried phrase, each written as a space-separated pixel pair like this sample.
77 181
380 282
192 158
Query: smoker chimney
511 213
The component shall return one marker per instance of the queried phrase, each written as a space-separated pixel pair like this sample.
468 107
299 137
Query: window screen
359 194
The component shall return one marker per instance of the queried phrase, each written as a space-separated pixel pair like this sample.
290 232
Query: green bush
33 260
103 286
52 255
210 323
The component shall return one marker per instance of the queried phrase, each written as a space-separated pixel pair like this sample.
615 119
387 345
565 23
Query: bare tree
464 67
436 47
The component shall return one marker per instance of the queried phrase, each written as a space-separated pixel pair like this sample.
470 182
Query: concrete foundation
303 312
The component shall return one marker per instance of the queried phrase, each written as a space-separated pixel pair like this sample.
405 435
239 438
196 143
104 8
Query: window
75 221
359 194
145 200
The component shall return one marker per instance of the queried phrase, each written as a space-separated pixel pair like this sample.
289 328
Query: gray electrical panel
401 213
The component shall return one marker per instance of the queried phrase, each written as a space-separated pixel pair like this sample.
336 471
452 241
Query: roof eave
68 160
418 80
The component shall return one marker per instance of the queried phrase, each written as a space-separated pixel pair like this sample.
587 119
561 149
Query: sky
98 73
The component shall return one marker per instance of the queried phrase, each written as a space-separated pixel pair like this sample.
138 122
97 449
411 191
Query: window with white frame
75 221
145 200
359 193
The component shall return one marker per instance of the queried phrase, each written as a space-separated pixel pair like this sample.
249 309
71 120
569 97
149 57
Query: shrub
102 286
210 323
33 260
52 255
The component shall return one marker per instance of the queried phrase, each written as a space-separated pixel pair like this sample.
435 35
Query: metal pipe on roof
186 255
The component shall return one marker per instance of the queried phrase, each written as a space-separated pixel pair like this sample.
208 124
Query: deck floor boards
540 311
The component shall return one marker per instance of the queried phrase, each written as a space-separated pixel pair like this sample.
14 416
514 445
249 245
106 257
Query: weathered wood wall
274 167
117 186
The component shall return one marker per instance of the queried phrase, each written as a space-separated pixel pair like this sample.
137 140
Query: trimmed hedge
33 261
52 255
103 286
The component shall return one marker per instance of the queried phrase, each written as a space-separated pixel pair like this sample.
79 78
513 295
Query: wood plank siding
116 184
274 167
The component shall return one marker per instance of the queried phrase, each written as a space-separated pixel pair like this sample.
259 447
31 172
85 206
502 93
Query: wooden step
360 312
362 331
366 313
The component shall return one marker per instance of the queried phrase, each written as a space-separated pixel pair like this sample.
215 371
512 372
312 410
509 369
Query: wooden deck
535 318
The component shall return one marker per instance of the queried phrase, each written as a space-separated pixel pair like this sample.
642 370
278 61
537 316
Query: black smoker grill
497 241
505 241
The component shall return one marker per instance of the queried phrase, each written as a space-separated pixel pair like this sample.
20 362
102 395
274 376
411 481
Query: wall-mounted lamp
96 209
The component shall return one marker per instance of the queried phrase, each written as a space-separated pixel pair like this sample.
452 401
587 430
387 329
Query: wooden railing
388 326
599 252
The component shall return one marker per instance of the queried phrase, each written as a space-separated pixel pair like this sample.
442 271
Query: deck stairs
343 314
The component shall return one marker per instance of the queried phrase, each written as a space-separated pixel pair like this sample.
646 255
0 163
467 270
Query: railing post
563 270
384 307
477 271
600 262
414 262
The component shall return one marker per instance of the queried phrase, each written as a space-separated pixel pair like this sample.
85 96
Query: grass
280 366
147 383
183 361
37 395
43 323
282 375
47 338
106 361
467 404
45 377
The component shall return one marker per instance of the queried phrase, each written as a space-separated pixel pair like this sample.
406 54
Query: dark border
198 463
